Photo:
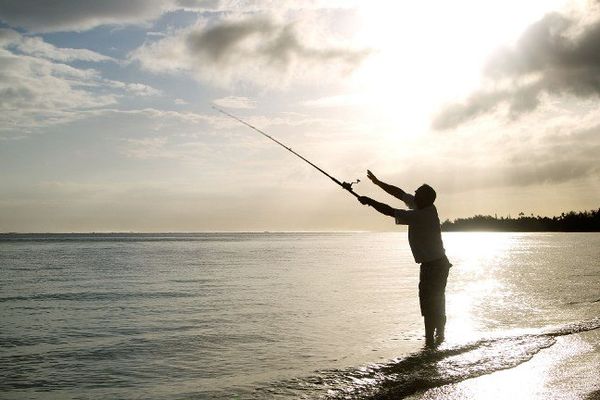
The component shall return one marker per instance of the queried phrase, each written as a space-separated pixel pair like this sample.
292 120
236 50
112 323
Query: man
425 239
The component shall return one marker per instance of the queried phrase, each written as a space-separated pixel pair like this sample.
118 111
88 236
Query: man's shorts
432 287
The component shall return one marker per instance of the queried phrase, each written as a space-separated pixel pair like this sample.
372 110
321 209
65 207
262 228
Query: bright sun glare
426 53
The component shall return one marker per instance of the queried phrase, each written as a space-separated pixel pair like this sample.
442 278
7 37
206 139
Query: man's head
424 196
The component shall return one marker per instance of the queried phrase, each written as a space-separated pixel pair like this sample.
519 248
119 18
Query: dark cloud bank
557 55
65 15
275 44
78 15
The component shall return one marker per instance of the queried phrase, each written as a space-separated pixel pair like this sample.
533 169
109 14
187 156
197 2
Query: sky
106 121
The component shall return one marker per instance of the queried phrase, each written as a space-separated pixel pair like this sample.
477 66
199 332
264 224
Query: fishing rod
345 185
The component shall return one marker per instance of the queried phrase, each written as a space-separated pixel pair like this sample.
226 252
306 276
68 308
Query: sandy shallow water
568 370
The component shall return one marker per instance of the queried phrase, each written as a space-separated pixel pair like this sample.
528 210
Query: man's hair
425 196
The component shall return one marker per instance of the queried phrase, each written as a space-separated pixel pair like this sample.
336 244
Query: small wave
428 368
97 296
595 395
576 327
13 342
572 303
201 281
140 237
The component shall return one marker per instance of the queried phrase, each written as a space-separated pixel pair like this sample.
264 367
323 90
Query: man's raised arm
393 190
390 189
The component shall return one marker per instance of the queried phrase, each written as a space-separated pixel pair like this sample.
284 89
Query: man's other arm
381 207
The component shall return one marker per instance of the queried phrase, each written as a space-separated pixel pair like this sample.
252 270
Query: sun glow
427 53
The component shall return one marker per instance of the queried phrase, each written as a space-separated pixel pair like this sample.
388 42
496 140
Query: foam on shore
567 370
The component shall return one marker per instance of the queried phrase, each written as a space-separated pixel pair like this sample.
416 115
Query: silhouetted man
425 239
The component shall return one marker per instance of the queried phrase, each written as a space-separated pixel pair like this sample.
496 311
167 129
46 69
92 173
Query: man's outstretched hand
372 177
364 200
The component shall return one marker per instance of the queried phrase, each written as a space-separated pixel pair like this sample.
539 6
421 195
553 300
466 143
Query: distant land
585 221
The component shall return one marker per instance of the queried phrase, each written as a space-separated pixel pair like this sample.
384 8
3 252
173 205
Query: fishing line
347 186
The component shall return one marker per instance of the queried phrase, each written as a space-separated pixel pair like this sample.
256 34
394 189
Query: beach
570 369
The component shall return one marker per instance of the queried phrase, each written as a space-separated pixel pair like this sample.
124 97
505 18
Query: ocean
292 315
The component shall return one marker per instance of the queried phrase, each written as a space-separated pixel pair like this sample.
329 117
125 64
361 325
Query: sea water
278 315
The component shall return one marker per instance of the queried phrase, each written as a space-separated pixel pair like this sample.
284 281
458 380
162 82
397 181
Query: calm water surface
277 315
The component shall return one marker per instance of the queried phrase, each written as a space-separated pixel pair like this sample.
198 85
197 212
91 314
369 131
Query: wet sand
568 370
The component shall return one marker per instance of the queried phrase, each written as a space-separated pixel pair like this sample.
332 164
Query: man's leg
432 298
440 302
429 330
425 302
440 329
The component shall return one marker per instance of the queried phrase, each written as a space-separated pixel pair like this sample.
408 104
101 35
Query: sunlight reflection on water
477 256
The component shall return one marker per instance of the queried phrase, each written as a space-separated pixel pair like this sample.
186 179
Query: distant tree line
586 221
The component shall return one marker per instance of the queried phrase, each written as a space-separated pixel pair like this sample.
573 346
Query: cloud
137 89
34 78
560 157
344 100
38 88
155 114
146 148
552 149
236 102
276 43
557 55
35 46
258 50
77 15
8 36
33 90
200 4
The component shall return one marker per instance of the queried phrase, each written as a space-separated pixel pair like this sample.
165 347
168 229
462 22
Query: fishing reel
348 186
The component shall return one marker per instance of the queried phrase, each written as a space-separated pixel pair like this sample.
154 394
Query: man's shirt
424 232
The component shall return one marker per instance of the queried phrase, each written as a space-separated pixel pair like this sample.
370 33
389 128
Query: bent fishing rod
345 185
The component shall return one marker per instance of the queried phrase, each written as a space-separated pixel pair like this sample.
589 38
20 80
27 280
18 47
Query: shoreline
569 369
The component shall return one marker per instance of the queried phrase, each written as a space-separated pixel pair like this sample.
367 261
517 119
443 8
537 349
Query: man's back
424 233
